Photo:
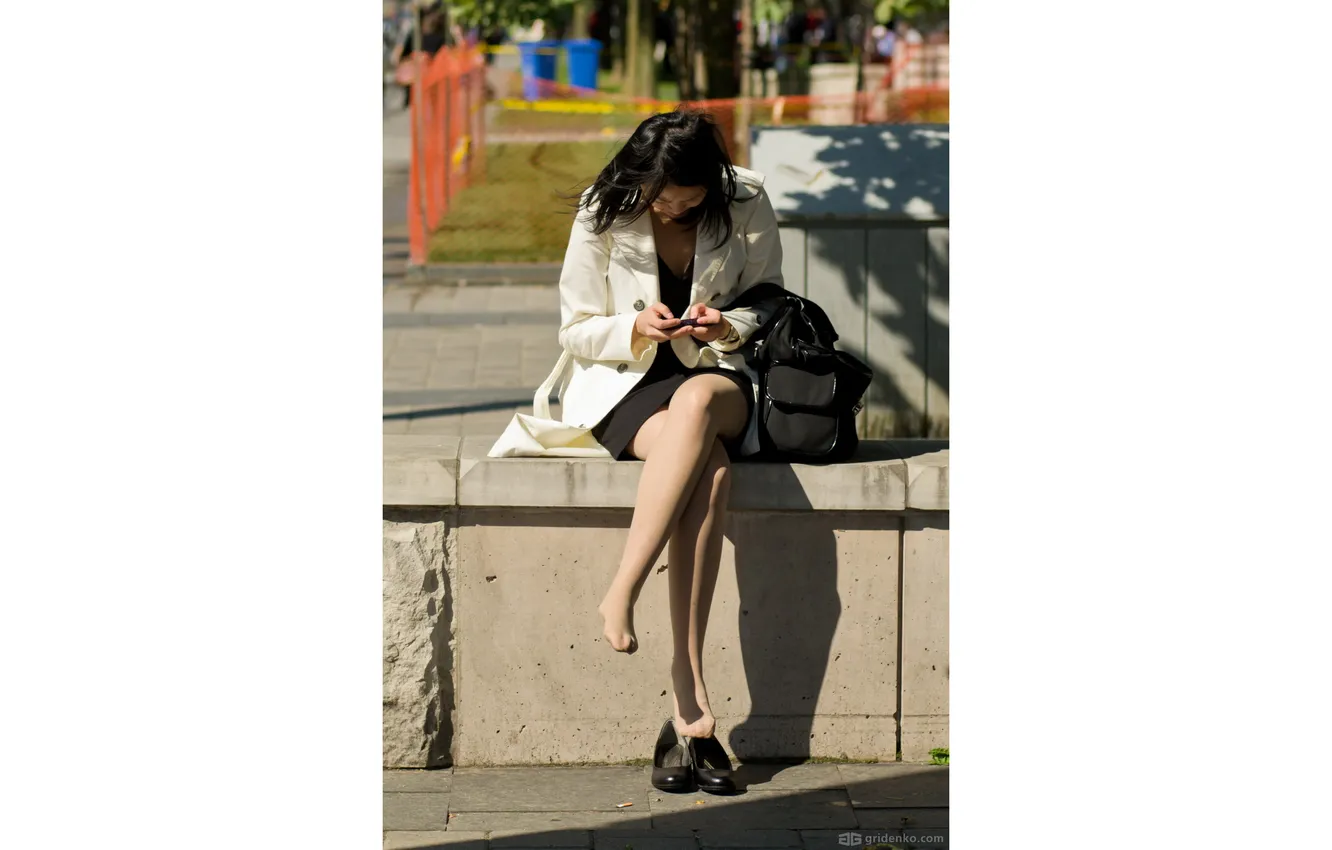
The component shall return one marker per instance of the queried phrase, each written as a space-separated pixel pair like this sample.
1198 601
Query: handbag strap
541 400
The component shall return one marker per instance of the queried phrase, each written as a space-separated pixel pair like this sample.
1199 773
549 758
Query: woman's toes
703 727
620 642
619 630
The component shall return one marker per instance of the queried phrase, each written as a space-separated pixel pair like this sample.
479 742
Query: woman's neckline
681 275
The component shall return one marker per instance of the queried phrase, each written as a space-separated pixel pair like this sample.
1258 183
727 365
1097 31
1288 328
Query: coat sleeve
763 263
587 329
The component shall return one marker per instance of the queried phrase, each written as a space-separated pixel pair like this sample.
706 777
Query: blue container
537 60
583 62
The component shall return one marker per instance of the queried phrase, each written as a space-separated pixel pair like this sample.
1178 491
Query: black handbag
809 392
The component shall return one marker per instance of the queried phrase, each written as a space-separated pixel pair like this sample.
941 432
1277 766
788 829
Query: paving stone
446 376
788 777
470 318
417 781
640 839
490 423
435 838
905 786
409 378
411 360
415 811
442 425
533 838
397 300
710 838
820 809
520 823
498 341
416 339
548 789
834 839
902 818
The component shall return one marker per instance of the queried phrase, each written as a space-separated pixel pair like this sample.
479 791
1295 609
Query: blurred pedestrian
433 39
664 38
884 39
494 38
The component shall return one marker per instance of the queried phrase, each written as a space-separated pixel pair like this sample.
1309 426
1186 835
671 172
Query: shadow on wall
819 644
789 607
874 204
851 172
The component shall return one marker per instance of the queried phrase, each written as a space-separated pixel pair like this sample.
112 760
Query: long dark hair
684 148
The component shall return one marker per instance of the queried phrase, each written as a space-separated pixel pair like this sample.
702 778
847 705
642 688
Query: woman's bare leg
676 448
695 557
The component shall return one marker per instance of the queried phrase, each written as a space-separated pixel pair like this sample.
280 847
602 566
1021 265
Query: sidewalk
397 169
459 361
815 806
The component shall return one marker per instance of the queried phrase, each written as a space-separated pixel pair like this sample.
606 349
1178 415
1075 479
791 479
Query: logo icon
849 838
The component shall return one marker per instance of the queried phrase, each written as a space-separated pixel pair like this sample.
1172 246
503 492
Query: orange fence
448 137
491 184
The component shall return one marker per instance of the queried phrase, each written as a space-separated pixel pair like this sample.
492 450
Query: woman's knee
699 400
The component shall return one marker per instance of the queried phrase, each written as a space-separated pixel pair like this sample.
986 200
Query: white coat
608 280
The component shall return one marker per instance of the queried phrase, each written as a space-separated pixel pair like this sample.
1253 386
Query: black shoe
670 762
712 769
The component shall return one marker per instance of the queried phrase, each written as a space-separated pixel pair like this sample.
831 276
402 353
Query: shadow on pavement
458 410
902 806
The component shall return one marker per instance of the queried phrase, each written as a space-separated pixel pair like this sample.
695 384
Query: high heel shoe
711 767
670 762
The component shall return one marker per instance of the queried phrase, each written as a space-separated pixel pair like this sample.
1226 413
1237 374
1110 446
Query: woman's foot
619 617
693 715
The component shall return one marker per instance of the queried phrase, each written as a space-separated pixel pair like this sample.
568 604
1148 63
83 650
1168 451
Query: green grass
525 121
939 755
516 215
843 759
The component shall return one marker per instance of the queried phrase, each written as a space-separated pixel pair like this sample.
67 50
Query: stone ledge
885 475
420 470
927 474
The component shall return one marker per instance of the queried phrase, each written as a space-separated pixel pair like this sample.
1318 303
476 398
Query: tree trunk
578 28
718 44
618 46
742 116
632 25
682 56
646 71
639 39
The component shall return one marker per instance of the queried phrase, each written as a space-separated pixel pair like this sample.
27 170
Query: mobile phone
688 323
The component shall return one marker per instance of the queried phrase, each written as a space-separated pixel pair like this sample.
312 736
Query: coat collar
639 247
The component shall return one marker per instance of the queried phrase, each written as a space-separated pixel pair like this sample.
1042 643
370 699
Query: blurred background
494 108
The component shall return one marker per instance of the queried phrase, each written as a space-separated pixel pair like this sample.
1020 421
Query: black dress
617 429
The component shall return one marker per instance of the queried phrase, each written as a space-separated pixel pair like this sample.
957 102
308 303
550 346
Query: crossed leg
695 558
682 495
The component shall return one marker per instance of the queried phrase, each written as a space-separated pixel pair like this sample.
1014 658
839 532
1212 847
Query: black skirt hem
617 429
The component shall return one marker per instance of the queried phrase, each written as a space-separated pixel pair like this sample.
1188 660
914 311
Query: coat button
639 305
622 368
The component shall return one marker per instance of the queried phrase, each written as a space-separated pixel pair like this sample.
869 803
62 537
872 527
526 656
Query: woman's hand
712 325
657 324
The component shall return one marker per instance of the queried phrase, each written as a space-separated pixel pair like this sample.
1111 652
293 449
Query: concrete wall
829 621
864 230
